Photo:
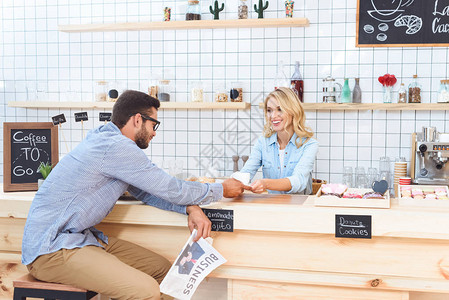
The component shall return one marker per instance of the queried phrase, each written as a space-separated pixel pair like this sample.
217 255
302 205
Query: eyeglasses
155 126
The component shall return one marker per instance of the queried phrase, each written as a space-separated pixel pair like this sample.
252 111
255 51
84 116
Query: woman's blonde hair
290 104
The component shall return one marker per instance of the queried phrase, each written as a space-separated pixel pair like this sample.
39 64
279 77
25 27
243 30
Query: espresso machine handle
423 148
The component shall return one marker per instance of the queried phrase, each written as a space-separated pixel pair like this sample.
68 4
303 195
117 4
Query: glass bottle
402 94
414 91
297 83
197 94
346 92
243 10
193 11
357 92
443 93
221 95
281 79
236 92
164 90
101 89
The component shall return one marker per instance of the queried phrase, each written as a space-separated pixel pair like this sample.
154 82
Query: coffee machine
430 157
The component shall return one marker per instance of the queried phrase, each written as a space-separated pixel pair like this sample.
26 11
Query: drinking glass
384 164
347 176
360 178
373 175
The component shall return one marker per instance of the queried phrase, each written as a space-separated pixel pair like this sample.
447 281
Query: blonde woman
286 151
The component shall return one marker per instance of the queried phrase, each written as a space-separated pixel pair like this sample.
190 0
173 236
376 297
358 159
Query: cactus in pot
260 9
216 10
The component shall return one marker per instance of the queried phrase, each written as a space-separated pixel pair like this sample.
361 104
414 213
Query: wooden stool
28 286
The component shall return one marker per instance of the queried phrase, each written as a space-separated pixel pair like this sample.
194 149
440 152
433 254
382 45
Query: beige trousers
122 270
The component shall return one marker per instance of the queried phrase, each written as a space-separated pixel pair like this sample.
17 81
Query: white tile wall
34 53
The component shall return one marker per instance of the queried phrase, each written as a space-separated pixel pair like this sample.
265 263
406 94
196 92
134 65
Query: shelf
173 25
374 106
108 105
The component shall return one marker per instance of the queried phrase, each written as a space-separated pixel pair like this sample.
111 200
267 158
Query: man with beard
60 243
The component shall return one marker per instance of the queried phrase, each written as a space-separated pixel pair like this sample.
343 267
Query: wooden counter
282 247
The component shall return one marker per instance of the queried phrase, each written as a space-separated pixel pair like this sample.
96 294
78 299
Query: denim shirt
84 186
298 162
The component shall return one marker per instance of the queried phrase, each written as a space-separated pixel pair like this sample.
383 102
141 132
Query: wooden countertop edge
406 222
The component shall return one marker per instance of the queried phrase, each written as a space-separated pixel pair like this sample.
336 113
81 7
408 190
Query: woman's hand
258 186
197 219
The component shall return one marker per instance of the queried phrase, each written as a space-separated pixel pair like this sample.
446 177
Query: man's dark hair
129 103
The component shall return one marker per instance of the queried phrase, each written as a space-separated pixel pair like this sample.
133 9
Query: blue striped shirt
84 186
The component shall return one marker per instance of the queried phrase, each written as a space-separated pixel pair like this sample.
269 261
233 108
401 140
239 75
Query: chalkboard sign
25 146
402 23
222 219
106 117
353 226
81 116
58 119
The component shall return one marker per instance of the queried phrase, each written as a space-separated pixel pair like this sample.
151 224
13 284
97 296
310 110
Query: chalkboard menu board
222 219
25 146
353 226
402 23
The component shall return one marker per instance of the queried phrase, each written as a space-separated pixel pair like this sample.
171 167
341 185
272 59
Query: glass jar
221 95
443 92
196 92
243 10
100 90
414 91
164 90
236 92
193 11
402 94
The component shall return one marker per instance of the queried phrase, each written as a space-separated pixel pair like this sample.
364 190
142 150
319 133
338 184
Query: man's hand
258 186
197 219
232 188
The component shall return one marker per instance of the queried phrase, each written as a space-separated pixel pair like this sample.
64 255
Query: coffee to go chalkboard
222 219
25 146
353 226
402 23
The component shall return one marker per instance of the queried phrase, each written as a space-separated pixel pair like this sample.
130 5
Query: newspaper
193 264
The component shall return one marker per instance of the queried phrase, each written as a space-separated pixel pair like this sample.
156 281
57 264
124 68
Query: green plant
217 10
44 169
260 9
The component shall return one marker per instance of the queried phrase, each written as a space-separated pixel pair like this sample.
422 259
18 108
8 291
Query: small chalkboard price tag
106 117
58 119
26 145
222 219
353 226
81 116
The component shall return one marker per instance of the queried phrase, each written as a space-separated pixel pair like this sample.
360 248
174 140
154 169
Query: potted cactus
44 169
216 10
261 8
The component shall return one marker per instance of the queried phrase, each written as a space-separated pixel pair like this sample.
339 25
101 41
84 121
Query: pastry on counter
373 195
333 189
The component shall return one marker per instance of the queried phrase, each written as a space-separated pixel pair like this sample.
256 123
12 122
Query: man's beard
143 138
